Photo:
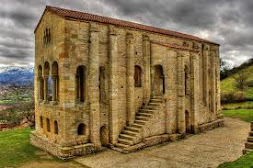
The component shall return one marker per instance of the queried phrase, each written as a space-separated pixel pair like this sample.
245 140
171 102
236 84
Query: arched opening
40 83
159 81
41 122
48 125
102 89
80 83
55 81
187 122
81 129
137 76
55 127
46 83
186 79
104 136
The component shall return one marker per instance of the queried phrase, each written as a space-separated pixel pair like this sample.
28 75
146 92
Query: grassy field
243 114
228 84
16 148
241 105
245 161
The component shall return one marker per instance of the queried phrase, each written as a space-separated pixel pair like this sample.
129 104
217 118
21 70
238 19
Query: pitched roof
81 16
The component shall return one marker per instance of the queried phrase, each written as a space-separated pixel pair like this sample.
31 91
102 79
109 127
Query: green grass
243 114
245 161
228 84
241 105
15 148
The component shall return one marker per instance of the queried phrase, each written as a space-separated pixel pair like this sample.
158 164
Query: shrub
250 83
239 97
232 97
227 98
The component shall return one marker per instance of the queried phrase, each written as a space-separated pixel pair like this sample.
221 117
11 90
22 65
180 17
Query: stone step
142 122
144 114
142 118
154 104
249 145
246 151
136 125
147 111
250 139
125 141
157 97
133 129
124 136
156 100
251 133
120 145
128 132
149 107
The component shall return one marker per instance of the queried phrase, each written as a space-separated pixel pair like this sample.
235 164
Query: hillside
228 84
13 75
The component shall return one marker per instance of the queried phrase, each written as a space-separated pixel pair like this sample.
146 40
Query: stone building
107 82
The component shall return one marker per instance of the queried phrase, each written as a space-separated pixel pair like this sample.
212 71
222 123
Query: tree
240 79
224 69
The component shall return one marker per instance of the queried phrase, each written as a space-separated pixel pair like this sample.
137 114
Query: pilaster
146 56
130 79
113 85
213 82
171 92
195 92
180 94
94 87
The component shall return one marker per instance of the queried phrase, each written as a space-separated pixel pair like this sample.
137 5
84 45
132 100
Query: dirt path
206 150
52 164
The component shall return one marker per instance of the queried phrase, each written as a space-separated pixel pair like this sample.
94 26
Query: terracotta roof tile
70 14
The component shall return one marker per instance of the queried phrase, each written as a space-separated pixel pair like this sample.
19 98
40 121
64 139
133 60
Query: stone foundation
155 140
211 125
62 152
150 141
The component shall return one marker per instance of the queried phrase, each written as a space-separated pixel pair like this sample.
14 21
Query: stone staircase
129 136
249 144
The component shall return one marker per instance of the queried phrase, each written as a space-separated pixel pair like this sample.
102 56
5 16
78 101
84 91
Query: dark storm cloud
228 22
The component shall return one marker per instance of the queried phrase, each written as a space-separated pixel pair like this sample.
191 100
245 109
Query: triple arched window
48 82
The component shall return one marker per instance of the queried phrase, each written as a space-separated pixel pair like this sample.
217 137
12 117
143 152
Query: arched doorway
103 136
187 122
159 81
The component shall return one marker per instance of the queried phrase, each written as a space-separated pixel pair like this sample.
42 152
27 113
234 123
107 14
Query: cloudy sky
227 22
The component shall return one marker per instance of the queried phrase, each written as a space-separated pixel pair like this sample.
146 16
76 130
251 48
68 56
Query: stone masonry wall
115 51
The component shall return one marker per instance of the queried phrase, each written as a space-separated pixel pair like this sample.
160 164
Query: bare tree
240 79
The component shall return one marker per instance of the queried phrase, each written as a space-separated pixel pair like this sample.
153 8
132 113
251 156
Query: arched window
41 122
80 83
137 76
159 80
81 129
48 125
186 79
55 81
40 83
46 37
102 89
55 127
46 83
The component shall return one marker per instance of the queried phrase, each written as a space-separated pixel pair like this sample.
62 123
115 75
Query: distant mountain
13 75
